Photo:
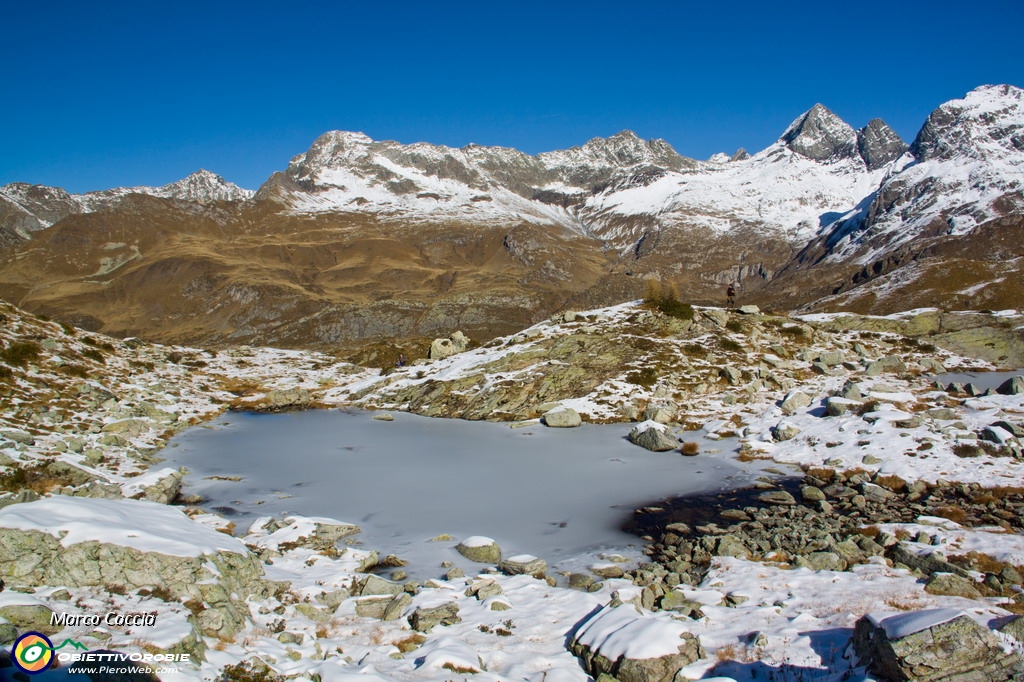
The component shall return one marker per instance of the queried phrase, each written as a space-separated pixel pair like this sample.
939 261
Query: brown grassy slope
157 269
982 270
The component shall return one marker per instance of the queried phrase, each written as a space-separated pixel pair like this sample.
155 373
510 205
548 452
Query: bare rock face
878 144
821 135
933 645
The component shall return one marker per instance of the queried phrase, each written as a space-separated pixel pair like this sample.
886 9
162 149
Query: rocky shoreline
878 446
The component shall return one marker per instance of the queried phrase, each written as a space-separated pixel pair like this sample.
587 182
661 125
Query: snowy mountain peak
203 186
820 135
987 124
622 150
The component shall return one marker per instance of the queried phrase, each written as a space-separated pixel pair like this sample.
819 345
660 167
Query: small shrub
690 448
411 643
20 353
967 450
246 671
734 325
666 299
94 355
461 670
642 377
728 344
955 514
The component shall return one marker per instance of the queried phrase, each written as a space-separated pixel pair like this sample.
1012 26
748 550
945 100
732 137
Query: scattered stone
607 571
777 497
384 417
749 309
810 493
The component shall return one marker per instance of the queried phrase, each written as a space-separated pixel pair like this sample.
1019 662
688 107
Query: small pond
982 380
561 494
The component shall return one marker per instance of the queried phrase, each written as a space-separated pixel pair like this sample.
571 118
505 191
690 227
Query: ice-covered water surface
555 493
982 380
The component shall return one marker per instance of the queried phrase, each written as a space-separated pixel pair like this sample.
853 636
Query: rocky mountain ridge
358 238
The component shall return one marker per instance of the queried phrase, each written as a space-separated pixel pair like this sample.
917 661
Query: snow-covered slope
965 167
819 167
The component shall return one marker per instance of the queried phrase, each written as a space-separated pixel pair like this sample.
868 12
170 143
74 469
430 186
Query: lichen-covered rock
443 348
523 564
424 619
127 544
634 647
933 645
480 549
287 399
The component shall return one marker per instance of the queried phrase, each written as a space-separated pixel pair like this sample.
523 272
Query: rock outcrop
933 645
634 647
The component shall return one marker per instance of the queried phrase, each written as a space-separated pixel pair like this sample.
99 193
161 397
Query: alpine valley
359 240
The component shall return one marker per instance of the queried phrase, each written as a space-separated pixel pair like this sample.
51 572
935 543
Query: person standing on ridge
730 295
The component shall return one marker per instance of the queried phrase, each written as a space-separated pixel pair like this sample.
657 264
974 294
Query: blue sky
108 94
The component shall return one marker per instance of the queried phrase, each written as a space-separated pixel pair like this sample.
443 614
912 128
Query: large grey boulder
933 645
562 418
443 348
795 401
631 646
653 436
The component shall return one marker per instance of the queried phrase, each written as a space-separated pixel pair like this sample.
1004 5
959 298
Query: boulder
480 549
661 411
443 348
749 309
836 406
523 564
1012 386
30 618
653 436
425 619
562 418
953 585
933 645
630 646
794 401
785 431
287 399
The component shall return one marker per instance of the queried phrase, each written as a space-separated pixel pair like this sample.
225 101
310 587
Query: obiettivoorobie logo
33 652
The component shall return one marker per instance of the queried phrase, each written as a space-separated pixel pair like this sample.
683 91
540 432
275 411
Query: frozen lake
561 494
